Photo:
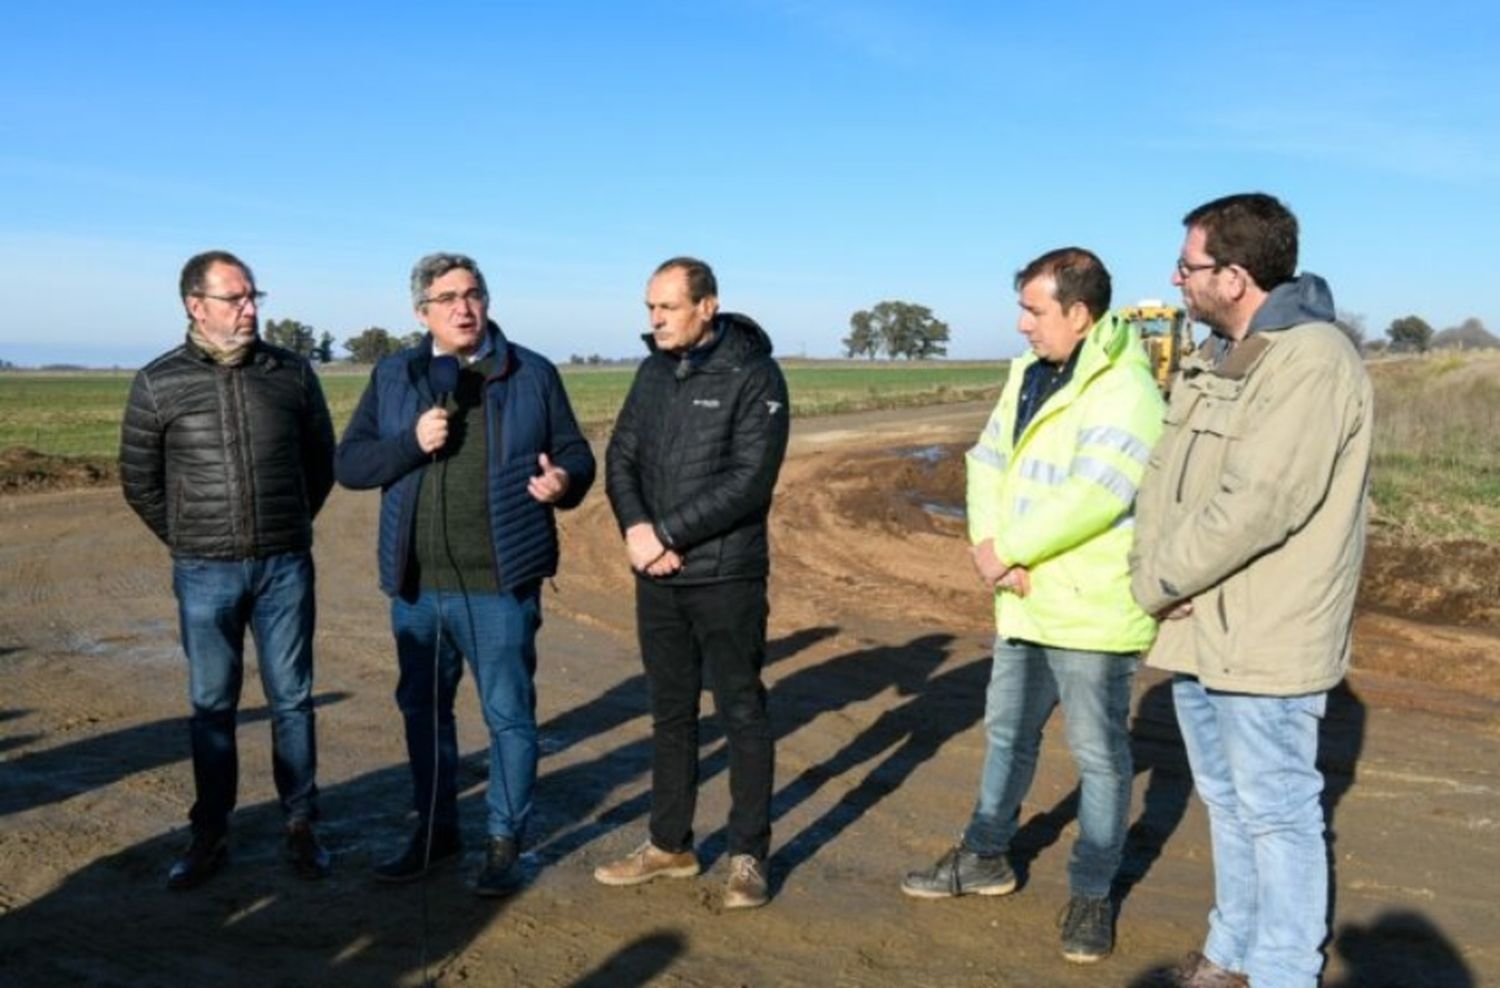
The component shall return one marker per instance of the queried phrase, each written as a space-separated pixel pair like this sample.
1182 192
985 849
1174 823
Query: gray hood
1306 298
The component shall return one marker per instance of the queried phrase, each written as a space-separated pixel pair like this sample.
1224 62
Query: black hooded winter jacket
696 451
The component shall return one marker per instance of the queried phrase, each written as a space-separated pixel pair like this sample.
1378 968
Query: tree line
1413 334
366 347
895 329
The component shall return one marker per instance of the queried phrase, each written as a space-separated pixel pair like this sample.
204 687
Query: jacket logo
772 407
706 402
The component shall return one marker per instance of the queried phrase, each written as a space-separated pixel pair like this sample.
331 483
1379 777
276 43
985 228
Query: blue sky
823 156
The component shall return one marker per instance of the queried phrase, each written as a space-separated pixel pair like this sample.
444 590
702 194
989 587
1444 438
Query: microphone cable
437 519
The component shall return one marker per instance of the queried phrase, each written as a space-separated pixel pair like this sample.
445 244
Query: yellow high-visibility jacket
1060 500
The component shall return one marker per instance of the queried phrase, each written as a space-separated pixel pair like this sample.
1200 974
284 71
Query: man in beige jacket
1250 536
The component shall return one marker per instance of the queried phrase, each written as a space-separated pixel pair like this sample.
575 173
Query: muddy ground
879 650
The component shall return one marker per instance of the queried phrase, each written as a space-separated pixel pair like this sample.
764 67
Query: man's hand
986 563
551 484
668 564
1017 580
432 429
643 547
1178 611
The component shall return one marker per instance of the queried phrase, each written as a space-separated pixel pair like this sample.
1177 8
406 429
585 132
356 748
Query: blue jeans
496 632
1026 682
216 600
1254 766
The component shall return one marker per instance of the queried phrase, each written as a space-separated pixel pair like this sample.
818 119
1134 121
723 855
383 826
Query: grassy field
78 414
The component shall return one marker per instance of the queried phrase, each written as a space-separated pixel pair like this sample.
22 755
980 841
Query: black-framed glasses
1184 269
449 299
236 301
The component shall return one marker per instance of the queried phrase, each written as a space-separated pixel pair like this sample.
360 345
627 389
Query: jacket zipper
242 459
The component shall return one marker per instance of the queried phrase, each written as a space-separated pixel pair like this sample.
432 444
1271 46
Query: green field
1436 474
78 414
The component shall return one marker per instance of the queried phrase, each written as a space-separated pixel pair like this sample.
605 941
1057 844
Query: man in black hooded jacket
690 471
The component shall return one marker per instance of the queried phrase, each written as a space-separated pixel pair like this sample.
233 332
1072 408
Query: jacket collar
495 344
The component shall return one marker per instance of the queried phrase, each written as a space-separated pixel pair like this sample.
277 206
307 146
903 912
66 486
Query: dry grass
1437 457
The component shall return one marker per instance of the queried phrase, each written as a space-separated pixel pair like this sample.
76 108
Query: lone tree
369 346
292 335
323 352
901 329
1410 333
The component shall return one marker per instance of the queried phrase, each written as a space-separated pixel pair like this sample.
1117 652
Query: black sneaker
417 860
203 857
962 872
1088 932
309 859
501 874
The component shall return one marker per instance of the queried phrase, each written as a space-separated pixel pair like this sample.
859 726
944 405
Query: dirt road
879 659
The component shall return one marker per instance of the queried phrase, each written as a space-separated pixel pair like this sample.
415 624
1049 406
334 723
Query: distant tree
371 345
862 340
901 329
1353 326
6 365
410 339
291 335
1410 333
323 352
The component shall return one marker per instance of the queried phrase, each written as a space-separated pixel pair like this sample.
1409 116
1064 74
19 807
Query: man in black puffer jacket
690 470
226 453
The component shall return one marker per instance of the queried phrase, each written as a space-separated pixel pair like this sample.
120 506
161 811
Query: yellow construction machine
1167 333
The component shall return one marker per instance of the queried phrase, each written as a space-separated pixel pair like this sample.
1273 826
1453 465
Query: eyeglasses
1184 269
235 301
449 299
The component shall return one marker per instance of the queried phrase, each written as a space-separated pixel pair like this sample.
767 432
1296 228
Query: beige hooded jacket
1253 505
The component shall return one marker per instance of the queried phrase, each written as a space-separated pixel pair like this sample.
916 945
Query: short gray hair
434 266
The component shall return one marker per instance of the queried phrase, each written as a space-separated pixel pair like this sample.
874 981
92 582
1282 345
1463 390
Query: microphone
442 378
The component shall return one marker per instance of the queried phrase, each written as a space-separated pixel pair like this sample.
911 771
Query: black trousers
718 631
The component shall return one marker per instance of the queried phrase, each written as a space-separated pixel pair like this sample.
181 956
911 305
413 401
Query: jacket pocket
1213 427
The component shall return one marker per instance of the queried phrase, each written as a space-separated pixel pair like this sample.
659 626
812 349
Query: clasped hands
647 554
995 574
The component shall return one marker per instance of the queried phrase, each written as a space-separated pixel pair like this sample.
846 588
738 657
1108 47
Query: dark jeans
496 632
684 632
216 601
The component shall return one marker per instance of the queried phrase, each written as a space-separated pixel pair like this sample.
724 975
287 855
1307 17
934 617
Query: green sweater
452 537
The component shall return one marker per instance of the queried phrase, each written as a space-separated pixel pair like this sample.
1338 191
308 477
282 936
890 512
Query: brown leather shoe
645 863
746 888
1198 971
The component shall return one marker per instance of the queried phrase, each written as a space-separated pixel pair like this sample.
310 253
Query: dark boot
308 858
203 857
1088 929
501 873
418 859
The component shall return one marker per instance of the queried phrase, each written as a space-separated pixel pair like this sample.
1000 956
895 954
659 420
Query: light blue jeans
1254 767
1026 682
496 632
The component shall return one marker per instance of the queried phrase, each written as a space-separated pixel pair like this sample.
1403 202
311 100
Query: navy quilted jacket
526 413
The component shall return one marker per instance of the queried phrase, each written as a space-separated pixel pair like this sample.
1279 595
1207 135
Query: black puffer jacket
697 448
227 462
